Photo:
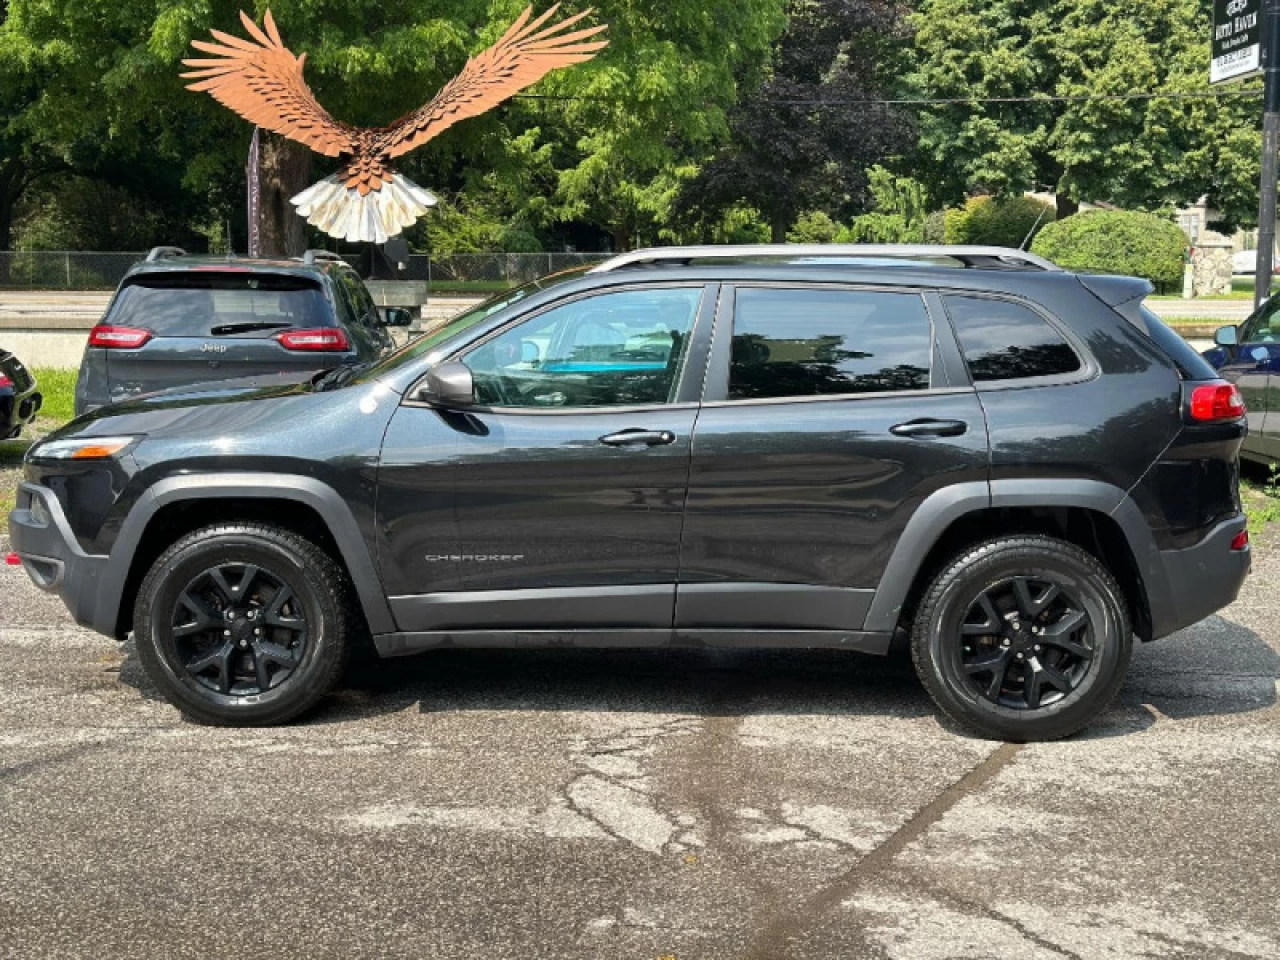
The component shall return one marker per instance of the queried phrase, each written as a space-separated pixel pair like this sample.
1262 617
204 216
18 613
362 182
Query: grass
1260 494
468 286
58 388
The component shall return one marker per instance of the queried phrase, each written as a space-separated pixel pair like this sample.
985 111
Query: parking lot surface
687 804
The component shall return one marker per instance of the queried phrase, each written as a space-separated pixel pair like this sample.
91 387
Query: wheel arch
1097 516
176 505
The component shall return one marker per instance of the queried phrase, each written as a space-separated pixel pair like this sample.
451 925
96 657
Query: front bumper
40 535
1199 580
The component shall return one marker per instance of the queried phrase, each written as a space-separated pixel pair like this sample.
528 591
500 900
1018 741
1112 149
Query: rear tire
244 624
1022 638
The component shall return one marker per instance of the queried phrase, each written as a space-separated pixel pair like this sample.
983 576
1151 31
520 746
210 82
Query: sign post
1246 42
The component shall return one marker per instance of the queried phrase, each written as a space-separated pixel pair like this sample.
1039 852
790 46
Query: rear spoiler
1114 291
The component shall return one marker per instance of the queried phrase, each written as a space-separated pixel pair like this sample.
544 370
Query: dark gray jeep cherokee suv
1019 467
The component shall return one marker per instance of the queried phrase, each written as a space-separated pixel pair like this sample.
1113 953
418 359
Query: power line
945 101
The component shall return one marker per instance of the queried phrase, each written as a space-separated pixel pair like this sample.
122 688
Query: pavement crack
772 942
20 770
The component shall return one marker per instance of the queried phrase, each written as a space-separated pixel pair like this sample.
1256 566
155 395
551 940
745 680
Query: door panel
559 518
814 493
797 500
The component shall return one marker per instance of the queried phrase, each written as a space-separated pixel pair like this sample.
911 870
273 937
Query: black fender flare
322 498
943 507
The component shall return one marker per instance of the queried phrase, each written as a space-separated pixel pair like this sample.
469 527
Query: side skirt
403 644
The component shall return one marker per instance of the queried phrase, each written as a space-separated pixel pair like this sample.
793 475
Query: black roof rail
164 253
311 256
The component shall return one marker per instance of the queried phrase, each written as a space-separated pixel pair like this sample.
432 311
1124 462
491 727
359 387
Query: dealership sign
1237 40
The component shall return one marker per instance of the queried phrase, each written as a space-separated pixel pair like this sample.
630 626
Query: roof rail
998 257
164 253
311 256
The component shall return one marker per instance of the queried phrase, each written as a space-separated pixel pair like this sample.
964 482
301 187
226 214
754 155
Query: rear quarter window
1003 340
1191 366
198 304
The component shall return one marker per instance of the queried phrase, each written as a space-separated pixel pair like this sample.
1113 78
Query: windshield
202 304
464 321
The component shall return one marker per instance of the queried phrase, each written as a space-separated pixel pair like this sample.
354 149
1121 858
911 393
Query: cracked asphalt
564 804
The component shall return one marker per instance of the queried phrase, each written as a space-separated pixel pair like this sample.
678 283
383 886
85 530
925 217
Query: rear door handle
637 437
928 427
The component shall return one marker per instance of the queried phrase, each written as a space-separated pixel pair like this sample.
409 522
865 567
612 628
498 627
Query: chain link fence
461 272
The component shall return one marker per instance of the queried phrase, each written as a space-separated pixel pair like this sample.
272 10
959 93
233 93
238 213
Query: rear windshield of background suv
220 304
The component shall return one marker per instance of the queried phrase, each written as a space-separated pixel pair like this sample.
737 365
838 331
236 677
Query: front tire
243 624
1022 638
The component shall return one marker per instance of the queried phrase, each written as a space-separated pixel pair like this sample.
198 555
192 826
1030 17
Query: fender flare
943 507
322 498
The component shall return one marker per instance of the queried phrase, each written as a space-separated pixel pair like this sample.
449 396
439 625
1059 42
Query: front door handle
928 427
637 437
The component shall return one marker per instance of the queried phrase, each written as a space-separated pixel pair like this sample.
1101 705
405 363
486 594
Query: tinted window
801 343
617 348
1006 341
214 304
1264 325
358 295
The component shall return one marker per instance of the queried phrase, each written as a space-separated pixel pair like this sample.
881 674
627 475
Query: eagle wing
525 54
263 83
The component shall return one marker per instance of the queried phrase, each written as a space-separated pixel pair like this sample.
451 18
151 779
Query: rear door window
1003 340
198 304
792 342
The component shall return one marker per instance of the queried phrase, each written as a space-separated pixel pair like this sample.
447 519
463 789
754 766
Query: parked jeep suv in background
1019 467
178 320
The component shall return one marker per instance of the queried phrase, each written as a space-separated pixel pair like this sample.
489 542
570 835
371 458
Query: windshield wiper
337 376
225 328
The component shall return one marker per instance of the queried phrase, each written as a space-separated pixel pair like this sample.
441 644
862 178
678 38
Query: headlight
81 448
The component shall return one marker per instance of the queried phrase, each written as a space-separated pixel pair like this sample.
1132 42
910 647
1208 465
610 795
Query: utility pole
1270 141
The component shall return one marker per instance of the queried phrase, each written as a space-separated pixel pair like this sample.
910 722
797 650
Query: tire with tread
321 586
944 606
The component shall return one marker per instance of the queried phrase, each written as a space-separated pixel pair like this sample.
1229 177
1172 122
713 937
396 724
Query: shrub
998 221
1116 241
813 227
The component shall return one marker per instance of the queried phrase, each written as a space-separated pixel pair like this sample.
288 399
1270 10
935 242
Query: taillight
1216 401
1240 541
117 338
5 381
12 560
322 339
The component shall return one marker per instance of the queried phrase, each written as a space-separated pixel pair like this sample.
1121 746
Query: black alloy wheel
239 629
245 624
1024 637
1026 642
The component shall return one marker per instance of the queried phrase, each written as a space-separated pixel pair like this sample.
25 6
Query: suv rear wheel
1023 638
243 624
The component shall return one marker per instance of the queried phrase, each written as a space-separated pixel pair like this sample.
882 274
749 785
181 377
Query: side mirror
1226 336
449 384
396 316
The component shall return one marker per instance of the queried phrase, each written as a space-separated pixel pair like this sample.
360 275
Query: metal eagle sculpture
261 80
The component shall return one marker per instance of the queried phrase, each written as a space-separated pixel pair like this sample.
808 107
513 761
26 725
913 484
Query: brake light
5 381
1216 401
118 338
1240 541
322 339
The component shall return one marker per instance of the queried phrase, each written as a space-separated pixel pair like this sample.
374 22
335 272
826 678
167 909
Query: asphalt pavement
587 804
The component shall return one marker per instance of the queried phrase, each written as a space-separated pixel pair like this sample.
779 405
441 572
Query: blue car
1248 355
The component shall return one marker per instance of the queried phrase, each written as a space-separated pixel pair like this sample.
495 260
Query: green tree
901 207
1136 153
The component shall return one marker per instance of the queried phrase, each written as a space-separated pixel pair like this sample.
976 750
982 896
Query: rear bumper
40 535
1199 580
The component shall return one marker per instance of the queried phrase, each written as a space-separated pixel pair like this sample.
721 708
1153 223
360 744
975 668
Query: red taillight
322 339
5 381
1216 401
1240 541
117 338
12 560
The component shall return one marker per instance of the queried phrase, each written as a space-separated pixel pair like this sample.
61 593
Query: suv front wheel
243 624
1022 638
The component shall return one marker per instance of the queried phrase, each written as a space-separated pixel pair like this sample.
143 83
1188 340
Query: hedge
1116 241
997 221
